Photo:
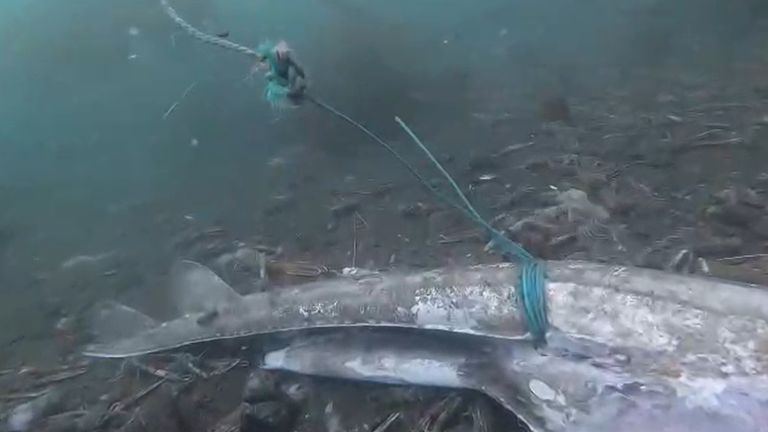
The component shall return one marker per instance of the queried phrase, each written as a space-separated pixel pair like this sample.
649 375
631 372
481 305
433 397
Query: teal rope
531 287
531 284
391 150
532 276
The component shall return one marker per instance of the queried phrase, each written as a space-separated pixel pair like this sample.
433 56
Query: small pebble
260 386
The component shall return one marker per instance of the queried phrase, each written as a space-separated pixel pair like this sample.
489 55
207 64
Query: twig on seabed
690 146
157 372
38 372
513 148
62 376
175 104
226 366
717 143
470 234
170 110
359 216
743 257
188 361
188 89
705 134
438 414
719 106
383 426
126 403
26 395
724 126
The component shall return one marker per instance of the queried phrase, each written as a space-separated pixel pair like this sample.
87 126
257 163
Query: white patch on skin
611 316
275 359
459 307
414 371
541 390
430 314
697 338
325 309
21 418
702 392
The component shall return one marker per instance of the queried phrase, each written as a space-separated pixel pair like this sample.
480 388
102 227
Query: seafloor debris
572 217
416 210
276 269
346 208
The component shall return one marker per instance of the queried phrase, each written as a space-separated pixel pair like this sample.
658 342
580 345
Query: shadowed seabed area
629 133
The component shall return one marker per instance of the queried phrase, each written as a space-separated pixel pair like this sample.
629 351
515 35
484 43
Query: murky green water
94 160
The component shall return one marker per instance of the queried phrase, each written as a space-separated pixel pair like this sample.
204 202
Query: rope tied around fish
283 89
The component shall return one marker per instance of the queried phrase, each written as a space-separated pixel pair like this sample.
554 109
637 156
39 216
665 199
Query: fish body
703 325
640 348
548 392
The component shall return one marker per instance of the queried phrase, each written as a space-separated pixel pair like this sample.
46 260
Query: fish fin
113 321
197 289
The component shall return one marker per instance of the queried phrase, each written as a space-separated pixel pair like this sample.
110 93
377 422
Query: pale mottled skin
549 393
642 348
692 324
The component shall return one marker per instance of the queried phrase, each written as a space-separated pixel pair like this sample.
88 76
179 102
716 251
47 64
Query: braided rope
205 37
531 286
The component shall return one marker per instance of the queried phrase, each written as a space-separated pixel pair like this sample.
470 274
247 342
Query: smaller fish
586 388
223 35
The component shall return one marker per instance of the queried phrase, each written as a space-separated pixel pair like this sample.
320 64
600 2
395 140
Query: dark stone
271 416
733 214
761 227
260 386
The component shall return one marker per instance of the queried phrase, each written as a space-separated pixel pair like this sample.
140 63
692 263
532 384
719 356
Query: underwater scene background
126 145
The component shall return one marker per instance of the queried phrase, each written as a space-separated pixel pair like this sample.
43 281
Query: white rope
204 37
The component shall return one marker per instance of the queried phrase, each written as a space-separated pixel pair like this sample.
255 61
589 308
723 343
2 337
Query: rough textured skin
695 326
693 323
477 300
